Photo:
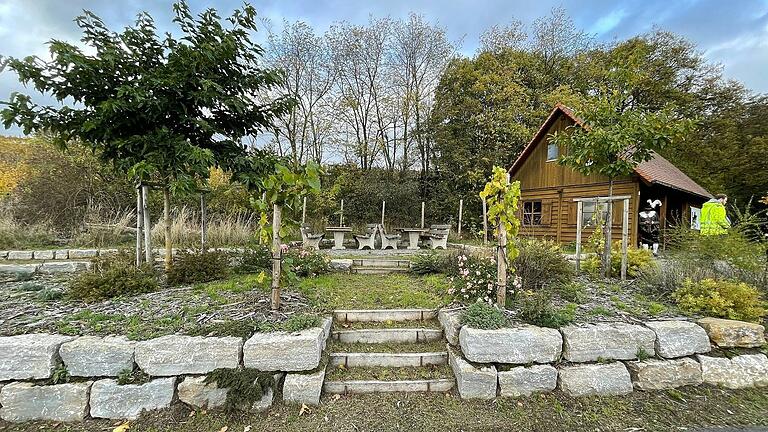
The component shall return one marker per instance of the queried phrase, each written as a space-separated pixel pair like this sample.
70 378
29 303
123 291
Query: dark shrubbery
432 262
113 276
197 267
253 259
540 263
481 315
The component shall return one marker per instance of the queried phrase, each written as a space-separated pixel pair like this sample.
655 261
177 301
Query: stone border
176 364
602 358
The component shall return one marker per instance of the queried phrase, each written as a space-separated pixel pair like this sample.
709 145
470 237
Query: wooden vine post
502 199
277 255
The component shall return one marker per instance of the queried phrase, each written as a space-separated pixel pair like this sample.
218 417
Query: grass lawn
342 291
690 408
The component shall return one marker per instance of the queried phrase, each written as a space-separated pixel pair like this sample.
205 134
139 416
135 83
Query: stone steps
381 263
395 335
377 359
379 270
407 369
375 386
383 315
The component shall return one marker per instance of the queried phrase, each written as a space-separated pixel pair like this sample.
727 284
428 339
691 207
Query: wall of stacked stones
177 367
604 358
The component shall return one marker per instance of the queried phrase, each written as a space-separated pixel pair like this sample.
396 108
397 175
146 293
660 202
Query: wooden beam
579 213
624 239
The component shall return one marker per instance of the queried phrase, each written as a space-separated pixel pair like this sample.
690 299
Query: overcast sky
731 32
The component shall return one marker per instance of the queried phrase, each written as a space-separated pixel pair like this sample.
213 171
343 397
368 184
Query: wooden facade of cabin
548 189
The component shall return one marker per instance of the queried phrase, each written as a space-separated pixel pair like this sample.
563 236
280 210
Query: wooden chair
388 240
309 240
437 237
369 238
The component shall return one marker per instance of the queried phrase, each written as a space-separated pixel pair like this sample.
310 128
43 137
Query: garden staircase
380 266
380 351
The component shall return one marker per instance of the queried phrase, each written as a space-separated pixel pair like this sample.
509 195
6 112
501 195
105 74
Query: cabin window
552 152
531 213
591 211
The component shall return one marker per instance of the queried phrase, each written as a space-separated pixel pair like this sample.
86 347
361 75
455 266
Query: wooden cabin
547 207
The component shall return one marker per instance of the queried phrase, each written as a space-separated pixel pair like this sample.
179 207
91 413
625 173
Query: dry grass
17 235
231 230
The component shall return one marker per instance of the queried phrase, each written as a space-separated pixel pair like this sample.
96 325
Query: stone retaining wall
603 358
177 367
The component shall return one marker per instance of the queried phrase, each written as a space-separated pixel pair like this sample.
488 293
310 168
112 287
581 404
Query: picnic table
338 236
413 236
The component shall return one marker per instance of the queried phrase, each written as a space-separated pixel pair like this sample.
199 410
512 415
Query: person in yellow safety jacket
713 219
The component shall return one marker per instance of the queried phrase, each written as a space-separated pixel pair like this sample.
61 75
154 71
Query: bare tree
556 37
420 52
305 59
499 38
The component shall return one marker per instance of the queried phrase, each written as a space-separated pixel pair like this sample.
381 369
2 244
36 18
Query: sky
733 33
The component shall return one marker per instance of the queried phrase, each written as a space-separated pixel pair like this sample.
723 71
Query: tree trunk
501 267
607 229
277 256
167 227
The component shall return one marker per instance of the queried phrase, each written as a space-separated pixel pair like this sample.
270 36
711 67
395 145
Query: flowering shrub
475 278
305 263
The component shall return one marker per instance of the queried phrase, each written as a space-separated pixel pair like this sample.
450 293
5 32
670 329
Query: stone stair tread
430 324
408 347
381 262
415 359
399 335
399 386
379 270
379 315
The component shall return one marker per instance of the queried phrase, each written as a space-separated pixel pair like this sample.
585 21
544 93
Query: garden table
413 236
338 236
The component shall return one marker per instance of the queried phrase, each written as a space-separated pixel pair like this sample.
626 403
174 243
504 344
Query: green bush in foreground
638 260
536 308
112 277
432 262
481 315
725 299
541 263
198 267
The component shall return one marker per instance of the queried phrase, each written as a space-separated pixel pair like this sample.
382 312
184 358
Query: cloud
734 32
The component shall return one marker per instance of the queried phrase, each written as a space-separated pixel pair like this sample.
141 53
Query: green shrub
574 292
432 262
305 263
638 260
254 259
113 276
196 267
481 315
536 308
540 263
726 299
299 322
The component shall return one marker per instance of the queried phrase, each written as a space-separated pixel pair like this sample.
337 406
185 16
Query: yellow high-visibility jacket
713 218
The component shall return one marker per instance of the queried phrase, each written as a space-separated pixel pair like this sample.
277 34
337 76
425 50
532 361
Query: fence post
304 211
485 222
624 239
461 210
579 213
147 224
139 223
422 214
203 224
341 214
277 256
383 206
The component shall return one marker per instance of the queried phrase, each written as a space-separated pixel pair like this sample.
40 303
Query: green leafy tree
502 197
157 108
278 185
613 141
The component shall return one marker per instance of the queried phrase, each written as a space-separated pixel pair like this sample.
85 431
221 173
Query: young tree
613 141
155 107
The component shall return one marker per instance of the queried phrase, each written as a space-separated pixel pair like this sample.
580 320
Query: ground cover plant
113 276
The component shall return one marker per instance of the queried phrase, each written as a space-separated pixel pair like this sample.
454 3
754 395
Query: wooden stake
422 214
167 227
139 223
383 206
485 222
277 256
461 210
304 211
501 266
341 214
203 224
147 224
579 216
624 239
